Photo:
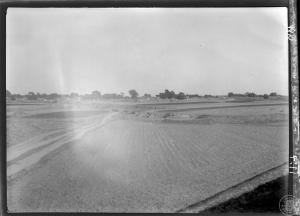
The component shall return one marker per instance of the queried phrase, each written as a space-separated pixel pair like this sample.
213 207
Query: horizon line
124 93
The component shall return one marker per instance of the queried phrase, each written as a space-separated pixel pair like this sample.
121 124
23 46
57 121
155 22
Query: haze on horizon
193 50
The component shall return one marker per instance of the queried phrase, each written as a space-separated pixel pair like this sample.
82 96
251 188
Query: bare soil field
131 158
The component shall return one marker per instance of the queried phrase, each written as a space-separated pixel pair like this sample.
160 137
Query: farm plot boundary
221 107
237 190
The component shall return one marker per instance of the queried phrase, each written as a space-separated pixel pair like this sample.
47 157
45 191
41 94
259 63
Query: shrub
266 96
181 96
230 94
133 93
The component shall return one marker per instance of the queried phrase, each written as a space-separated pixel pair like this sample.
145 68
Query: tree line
96 95
252 94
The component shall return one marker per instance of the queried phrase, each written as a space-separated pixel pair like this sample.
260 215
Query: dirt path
23 155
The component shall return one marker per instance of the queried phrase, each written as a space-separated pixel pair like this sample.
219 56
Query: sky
193 50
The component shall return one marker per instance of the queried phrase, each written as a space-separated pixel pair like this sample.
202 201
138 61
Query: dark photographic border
294 148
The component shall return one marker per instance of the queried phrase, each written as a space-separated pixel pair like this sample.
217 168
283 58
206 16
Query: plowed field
132 165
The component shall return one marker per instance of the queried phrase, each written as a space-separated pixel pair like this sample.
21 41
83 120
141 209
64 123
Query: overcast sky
194 50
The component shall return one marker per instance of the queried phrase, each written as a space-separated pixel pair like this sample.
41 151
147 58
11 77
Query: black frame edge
293 68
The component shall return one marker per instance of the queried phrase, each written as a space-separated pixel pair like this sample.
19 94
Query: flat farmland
126 162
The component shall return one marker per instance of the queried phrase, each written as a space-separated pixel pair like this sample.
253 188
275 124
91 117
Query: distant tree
96 95
194 96
147 95
31 96
85 97
17 96
273 94
266 96
172 94
180 96
112 96
44 96
53 96
207 96
251 94
74 95
167 93
162 95
230 94
8 94
133 93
